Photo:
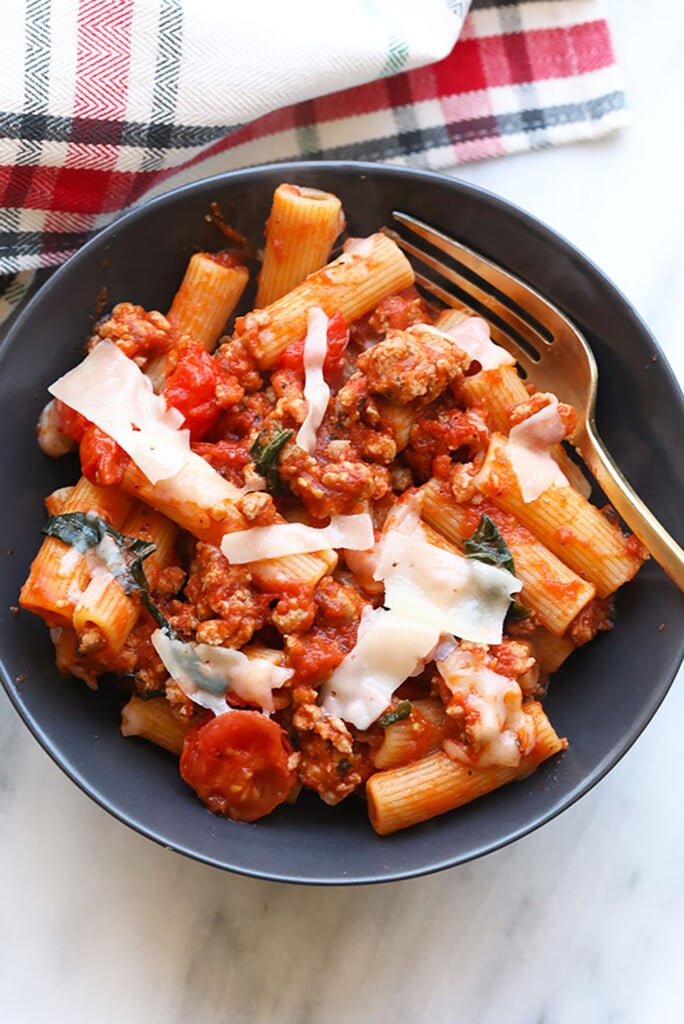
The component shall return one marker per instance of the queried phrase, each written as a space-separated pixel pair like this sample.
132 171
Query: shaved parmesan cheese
353 532
529 453
461 596
205 673
316 391
472 335
100 581
196 483
430 595
389 647
111 391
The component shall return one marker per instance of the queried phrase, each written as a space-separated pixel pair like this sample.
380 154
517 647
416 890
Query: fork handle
626 502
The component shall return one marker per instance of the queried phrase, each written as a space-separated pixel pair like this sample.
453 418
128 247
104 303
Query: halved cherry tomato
69 422
337 337
191 388
237 763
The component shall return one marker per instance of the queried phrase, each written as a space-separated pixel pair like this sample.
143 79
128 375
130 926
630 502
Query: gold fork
553 355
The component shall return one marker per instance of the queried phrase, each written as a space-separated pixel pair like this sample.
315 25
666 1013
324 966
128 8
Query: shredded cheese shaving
111 391
316 391
282 539
529 445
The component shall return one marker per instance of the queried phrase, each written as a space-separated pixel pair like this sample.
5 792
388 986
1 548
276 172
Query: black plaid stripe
408 144
166 78
18 244
135 134
36 92
405 113
485 5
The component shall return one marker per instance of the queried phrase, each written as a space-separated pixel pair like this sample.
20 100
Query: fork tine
525 362
507 284
531 338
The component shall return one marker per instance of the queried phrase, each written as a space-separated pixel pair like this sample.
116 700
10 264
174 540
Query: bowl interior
600 700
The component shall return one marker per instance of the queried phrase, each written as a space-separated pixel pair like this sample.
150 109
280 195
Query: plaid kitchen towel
103 104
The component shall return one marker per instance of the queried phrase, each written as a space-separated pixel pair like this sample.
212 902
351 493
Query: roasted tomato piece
238 764
102 460
191 388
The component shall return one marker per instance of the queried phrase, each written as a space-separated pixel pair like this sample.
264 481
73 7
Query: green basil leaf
487 545
266 452
397 714
85 531
518 612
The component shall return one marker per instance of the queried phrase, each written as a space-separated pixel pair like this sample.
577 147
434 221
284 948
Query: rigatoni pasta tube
104 615
554 592
412 737
549 651
207 295
578 533
499 391
153 720
405 796
199 513
300 232
210 522
272 573
58 573
104 608
353 284
69 662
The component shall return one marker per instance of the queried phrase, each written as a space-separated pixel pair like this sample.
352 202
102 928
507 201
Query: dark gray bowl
601 700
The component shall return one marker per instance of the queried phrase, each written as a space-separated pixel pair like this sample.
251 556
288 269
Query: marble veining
581 921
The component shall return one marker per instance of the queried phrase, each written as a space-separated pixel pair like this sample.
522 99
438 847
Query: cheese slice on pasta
352 532
529 452
462 596
111 391
316 391
389 647
205 673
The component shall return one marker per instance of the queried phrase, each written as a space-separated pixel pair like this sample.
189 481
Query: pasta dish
339 546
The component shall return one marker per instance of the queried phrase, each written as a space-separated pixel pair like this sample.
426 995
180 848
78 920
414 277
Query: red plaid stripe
522 75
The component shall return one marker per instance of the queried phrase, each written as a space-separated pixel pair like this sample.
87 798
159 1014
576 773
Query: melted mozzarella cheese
529 445
353 532
205 673
111 391
498 730
460 596
316 391
472 336
99 583
389 647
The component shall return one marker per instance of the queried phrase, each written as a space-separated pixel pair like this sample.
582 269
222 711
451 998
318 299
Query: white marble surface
581 921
